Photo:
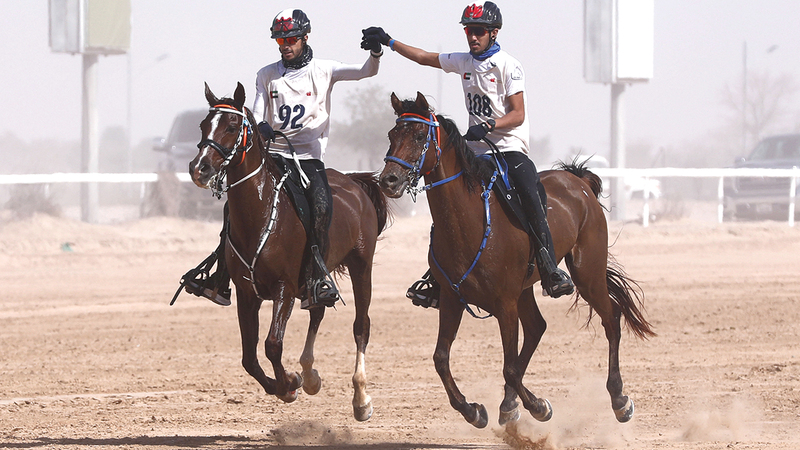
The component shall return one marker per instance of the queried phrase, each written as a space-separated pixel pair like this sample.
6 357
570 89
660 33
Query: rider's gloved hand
266 132
476 132
372 44
378 32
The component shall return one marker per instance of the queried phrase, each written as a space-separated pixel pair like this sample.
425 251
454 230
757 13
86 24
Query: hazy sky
176 45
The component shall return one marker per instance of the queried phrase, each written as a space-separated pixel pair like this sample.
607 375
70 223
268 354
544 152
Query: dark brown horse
266 242
495 276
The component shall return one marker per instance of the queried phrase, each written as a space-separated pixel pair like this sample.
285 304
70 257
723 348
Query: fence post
646 207
720 196
792 197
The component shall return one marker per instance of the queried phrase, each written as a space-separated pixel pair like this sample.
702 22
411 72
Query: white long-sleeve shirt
298 101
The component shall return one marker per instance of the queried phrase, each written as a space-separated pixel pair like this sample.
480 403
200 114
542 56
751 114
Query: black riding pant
320 202
531 193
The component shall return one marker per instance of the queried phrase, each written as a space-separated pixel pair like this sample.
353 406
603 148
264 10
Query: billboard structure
618 50
90 28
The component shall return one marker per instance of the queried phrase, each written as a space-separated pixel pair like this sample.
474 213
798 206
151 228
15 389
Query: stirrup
555 282
198 282
324 292
425 292
558 284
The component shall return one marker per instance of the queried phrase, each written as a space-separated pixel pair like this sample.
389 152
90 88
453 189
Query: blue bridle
415 169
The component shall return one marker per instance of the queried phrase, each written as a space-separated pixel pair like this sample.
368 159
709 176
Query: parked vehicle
169 196
763 197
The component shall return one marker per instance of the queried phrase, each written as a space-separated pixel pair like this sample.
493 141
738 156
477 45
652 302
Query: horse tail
369 183
628 295
581 171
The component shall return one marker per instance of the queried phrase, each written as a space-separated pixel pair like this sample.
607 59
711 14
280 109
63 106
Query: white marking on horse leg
362 402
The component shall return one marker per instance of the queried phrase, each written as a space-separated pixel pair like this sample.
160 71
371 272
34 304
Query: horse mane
474 169
263 146
580 170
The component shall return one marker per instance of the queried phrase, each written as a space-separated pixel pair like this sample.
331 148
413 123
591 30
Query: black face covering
300 61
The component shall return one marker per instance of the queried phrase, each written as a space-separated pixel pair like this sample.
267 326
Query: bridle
415 168
244 142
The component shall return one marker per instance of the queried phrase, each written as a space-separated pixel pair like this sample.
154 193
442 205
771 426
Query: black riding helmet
486 14
289 23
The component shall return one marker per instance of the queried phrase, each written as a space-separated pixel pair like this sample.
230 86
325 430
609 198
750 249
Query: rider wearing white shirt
293 96
494 94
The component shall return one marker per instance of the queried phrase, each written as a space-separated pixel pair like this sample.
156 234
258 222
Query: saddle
504 189
294 189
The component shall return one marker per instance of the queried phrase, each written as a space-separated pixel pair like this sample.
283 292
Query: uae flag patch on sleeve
273 94
467 75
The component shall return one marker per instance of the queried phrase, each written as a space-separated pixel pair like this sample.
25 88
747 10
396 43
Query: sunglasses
477 31
288 41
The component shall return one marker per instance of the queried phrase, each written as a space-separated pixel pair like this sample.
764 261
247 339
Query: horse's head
414 136
226 136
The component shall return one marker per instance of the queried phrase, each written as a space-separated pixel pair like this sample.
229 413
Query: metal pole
744 98
89 145
618 199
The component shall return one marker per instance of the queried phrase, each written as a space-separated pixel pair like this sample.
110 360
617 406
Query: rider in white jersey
494 94
293 95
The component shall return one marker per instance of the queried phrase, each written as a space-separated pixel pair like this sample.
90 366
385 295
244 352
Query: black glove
266 132
378 32
371 43
476 132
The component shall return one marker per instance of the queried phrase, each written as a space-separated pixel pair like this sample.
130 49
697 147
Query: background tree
768 108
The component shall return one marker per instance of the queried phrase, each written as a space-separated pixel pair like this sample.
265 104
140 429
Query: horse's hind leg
247 308
361 277
312 382
533 326
450 312
591 281
514 363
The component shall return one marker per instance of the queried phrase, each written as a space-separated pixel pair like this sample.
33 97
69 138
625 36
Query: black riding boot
213 286
425 291
533 197
321 289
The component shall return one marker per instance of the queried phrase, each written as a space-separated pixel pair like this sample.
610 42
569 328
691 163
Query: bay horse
266 242
480 255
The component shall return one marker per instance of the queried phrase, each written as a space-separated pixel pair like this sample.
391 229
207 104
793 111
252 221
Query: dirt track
92 356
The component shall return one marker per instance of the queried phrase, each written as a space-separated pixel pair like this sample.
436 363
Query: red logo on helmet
474 11
284 24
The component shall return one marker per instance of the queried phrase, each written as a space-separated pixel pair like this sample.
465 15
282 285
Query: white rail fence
647 174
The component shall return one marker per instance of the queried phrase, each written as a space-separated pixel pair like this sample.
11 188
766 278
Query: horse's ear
422 102
238 96
212 99
397 104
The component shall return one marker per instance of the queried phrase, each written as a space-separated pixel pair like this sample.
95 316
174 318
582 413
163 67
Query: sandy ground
93 357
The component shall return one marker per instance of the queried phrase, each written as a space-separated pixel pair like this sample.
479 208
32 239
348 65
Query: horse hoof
508 416
481 416
625 413
548 411
364 412
289 397
312 382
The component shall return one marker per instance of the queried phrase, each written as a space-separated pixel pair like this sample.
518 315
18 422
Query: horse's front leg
286 384
514 363
247 306
312 382
450 312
